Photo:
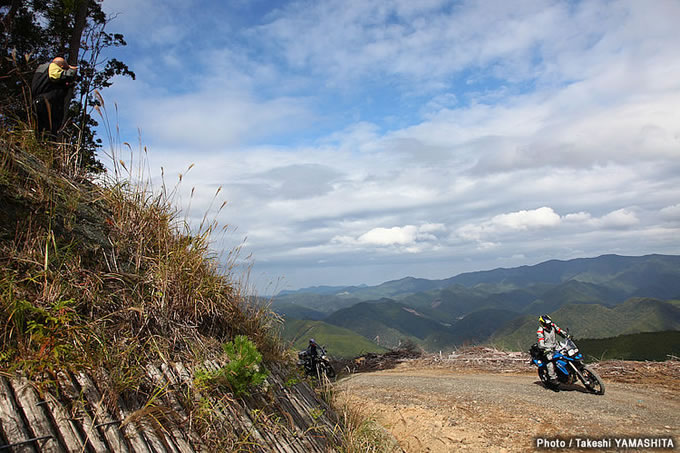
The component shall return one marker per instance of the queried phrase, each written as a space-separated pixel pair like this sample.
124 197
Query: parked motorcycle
568 366
316 367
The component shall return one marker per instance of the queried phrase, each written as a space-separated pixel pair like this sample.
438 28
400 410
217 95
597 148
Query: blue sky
365 141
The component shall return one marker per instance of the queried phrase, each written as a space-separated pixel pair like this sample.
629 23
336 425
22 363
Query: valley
596 298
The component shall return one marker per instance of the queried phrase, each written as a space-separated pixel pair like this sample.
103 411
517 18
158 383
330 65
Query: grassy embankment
107 277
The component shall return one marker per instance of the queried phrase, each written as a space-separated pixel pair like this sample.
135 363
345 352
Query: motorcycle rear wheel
592 381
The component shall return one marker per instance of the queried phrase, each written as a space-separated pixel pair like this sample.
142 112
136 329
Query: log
13 426
39 422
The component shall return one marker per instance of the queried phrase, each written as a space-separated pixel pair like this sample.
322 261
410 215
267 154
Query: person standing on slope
547 342
50 87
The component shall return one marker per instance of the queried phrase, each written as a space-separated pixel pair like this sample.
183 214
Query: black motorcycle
568 366
316 366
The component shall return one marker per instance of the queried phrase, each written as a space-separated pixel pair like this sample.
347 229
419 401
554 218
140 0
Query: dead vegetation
109 269
659 374
375 362
478 358
108 278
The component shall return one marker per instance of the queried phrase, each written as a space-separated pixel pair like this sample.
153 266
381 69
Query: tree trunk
76 35
74 44
8 19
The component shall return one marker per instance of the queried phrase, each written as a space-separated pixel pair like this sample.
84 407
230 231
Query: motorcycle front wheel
592 381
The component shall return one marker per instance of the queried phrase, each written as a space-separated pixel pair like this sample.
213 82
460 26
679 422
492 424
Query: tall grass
111 274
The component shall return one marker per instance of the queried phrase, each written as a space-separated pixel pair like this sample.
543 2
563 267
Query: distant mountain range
341 343
596 297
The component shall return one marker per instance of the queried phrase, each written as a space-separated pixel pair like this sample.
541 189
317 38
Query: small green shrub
292 381
241 373
43 337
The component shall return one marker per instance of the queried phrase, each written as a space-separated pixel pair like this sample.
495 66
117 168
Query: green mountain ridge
626 274
501 304
387 320
658 346
573 292
474 328
339 342
595 321
295 311
323 303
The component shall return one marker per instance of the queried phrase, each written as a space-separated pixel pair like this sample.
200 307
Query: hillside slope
640 346
386 321
595 321
339 342
117 313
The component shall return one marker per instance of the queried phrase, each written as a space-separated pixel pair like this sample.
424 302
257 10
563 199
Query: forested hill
626 294
646 276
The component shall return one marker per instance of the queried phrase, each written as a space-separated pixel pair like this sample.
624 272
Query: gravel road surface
442 410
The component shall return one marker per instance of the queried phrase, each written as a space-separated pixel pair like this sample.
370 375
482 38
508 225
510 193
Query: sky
361 141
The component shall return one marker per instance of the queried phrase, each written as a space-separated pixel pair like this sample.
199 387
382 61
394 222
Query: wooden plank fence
69 415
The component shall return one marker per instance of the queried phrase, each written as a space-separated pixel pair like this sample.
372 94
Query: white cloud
523 220
621 218
390 236
543 217
407 238
671 212
477 132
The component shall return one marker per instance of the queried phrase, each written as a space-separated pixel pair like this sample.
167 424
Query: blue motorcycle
568 366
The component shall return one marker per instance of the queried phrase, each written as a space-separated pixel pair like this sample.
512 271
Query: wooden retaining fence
71 416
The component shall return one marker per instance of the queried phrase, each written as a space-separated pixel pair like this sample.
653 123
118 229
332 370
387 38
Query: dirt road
440 410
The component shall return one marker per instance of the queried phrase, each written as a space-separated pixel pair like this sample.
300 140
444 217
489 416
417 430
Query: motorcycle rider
313 352
547 342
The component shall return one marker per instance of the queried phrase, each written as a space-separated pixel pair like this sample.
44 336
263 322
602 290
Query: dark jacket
49 88
314 351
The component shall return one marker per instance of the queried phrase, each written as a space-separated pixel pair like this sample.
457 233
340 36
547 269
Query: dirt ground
431 407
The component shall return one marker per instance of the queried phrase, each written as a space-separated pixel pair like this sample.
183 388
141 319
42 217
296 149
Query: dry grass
109 275
361 432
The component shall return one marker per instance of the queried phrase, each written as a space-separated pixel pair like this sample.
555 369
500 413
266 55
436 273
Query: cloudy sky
360 141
